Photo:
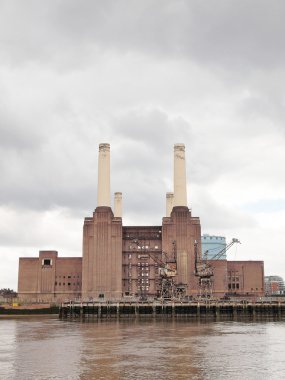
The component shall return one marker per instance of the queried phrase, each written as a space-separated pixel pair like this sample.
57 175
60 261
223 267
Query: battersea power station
140 262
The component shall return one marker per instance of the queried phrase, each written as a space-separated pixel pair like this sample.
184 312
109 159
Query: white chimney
104 197
169 203
180 192
118 205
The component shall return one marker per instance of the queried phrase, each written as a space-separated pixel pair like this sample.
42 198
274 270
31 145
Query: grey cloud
224 33
152 127
16 131
49 229
216 216
63 171
142 161
266 110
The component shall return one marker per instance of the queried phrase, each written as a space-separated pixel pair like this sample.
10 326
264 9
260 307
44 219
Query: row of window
143 281
233 286
233 279
143 247
68 276
140 264
68 284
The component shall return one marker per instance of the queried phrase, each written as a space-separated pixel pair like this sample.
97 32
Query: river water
48 348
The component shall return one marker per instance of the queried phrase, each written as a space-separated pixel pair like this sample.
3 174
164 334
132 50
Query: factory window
63 283
69 284
69 276
59 284
230 286
47 262
237 286
101 295
55 283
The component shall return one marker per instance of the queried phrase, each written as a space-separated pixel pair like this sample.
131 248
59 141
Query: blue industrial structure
212 245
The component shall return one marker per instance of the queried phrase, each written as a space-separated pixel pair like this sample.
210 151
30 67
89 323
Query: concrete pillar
118 205
180 192
169 203
104 198
182 267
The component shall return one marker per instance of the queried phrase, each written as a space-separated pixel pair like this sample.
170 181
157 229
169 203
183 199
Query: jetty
162 309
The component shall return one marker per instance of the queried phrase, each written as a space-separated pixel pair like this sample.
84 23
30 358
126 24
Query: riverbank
38 309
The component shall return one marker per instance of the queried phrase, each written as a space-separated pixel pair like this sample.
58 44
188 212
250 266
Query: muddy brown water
48 348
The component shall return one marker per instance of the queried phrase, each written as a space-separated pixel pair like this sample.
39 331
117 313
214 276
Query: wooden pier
208 309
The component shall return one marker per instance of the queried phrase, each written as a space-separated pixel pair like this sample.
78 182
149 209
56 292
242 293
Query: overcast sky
141 75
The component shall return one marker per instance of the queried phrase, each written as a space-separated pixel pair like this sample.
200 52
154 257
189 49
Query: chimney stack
180 192
169 203
118 205
104 176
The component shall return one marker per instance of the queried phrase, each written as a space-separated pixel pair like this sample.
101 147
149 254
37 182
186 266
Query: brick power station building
120 261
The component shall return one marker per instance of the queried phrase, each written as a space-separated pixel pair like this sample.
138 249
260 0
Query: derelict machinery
204 269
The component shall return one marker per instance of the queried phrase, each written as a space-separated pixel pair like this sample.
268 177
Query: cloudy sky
141 75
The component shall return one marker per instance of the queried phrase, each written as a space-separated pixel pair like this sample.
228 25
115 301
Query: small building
49 278
274 285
